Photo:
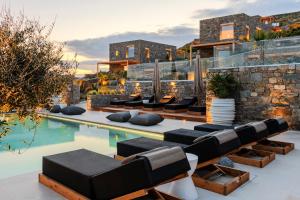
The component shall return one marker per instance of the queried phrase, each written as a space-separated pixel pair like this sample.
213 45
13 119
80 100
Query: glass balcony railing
267 52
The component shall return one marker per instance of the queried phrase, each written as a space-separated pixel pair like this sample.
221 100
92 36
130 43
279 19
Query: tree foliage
31 66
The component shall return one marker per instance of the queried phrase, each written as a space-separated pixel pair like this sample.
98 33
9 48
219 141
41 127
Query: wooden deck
178 116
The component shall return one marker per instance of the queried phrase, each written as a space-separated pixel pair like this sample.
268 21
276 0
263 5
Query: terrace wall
266 91
179 89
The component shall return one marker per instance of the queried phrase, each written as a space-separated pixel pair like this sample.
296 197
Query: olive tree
32 69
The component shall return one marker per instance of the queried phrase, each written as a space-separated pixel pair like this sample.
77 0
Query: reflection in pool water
51 137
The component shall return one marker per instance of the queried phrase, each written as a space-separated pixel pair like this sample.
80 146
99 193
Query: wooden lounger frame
239 178
284 149
265 158
175 111
70 194
152 109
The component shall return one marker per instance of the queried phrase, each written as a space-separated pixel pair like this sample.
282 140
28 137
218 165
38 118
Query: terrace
250 100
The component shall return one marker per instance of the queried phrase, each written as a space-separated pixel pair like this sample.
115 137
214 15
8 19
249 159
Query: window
169 54
117 53
227 31
147 54
130 51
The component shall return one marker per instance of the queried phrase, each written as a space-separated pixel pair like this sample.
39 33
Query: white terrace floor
280 180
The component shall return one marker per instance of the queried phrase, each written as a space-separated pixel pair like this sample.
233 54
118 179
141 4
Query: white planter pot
223 111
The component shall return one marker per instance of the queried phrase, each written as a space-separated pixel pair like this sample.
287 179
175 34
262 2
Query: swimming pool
22 149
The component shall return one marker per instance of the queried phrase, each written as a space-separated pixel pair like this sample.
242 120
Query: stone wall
179 89
266 91
210 28
157 51
95 102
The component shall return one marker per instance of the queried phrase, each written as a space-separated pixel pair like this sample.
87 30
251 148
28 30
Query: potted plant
224 88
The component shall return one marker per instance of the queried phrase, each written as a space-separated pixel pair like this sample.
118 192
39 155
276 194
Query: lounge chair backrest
225 135
134 97
164 157
280 121
259 126
188 101
167 99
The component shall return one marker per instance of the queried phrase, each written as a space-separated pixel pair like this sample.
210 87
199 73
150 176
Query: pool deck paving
277 181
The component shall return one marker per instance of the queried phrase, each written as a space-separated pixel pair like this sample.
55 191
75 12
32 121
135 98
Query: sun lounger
181 106
121 102
83 174
139 103
159 105
206 147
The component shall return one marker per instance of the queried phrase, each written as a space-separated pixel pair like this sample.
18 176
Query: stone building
123 54
221 36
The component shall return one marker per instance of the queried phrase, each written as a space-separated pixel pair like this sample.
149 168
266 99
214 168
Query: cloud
93 50
250 7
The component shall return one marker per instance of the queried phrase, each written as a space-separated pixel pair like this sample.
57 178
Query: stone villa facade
222 35
123 54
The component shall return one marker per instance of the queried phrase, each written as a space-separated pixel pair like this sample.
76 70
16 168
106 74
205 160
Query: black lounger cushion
247 134
211 127
118 102
72 110
200 109
119 117
76 169
184 136
134 146
146 119
183 104
276 125
205 149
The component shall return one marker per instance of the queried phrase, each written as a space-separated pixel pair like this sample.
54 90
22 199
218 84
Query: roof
211 44
119 62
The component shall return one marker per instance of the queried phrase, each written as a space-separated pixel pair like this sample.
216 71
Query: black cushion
119 117
130 147
274 126
55 109
205 150
183 104
247 134
176 106
184 136
201 109
76 169
134 103
118 102
211 127
72 110
146 119
153 105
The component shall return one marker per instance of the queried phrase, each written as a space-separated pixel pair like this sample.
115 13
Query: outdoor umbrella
198 83
156 82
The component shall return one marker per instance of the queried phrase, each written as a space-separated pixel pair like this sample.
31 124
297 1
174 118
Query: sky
88 26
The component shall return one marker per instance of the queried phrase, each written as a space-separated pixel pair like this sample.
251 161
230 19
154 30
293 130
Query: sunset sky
88 26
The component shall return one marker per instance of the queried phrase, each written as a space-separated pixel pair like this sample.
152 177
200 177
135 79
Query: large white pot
223 111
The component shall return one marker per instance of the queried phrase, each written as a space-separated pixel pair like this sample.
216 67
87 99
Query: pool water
22 149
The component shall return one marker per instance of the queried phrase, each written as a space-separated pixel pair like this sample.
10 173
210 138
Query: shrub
223 86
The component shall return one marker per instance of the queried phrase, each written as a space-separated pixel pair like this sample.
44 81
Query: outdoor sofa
181 106
83 174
